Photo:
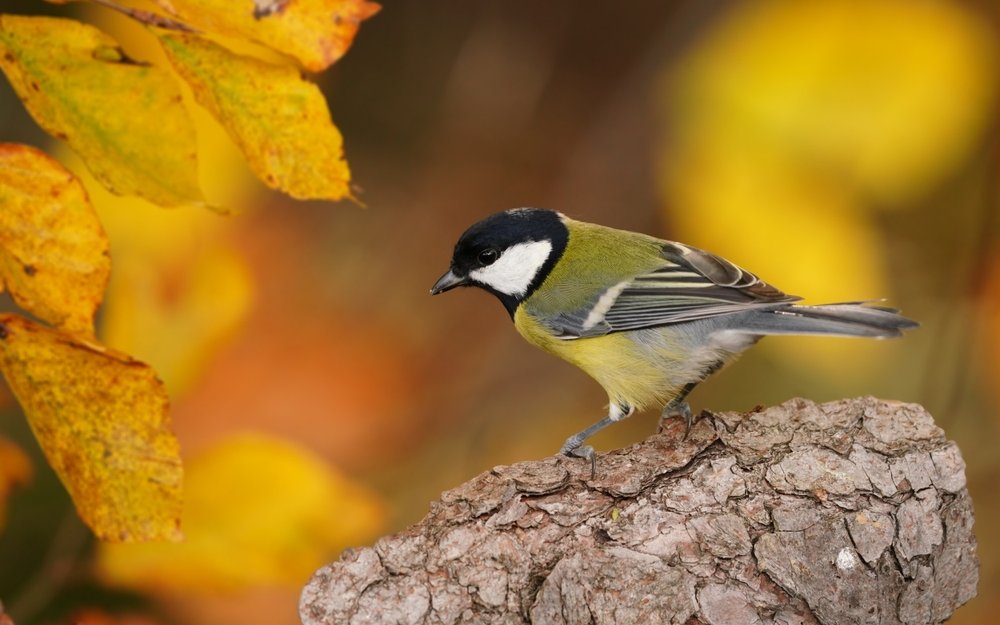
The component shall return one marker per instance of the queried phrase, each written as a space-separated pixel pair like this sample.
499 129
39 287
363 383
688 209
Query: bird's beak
447 282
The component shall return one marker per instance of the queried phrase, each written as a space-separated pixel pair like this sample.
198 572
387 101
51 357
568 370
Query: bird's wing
690 284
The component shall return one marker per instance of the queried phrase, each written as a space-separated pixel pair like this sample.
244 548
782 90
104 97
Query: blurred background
839 149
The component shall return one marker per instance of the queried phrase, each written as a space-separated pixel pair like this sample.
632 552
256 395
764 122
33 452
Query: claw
587 453
680 409
572 446
688 418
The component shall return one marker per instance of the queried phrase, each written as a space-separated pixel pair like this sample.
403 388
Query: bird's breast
633 368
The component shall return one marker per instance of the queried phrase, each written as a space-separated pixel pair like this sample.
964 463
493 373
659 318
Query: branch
854 511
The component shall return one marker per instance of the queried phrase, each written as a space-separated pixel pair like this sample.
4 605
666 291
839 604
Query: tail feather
844 319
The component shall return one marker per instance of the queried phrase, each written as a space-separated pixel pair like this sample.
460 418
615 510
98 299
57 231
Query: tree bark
854 511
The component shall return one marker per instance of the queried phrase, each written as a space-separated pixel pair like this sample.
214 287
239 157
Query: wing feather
691 284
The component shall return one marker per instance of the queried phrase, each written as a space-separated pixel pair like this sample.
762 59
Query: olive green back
596 258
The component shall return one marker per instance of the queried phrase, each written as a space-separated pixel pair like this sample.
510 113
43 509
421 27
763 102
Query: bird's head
508 254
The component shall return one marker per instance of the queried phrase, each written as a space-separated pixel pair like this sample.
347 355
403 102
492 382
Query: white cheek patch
516 268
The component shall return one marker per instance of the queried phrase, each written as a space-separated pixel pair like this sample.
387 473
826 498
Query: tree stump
853 511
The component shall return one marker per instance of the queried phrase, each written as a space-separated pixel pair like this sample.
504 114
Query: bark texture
854 511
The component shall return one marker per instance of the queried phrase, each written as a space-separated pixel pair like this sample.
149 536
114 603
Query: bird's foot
574 449
680 409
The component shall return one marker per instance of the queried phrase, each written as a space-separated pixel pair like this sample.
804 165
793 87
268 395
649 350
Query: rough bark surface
854 511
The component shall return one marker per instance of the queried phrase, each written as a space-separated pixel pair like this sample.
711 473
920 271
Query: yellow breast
631 373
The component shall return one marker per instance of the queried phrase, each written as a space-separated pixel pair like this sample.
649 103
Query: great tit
648 319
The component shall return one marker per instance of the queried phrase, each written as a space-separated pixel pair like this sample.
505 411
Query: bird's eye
488 257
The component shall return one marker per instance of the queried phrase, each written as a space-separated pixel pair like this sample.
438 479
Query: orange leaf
101 419
53 250
315 32
278 120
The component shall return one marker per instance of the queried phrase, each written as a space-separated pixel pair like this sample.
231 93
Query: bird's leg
574 446
678 406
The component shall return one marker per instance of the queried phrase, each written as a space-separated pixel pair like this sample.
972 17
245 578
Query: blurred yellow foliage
882 95
59 277
78 85
101 418
195 305
178 291
15 470
789 121
792 228
279 120
258 511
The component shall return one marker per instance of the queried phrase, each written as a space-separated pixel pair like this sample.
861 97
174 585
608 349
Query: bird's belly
640 369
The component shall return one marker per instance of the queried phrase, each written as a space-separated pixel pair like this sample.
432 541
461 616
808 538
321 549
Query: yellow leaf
101 418
53 250
315 32
125 119
278 120
257 511
15 470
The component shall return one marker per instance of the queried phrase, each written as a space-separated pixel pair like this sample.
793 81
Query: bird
646 318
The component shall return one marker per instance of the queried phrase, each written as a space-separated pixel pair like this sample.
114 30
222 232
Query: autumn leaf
315 32
53 250
126 119
279 121
15 470
257 511
101 419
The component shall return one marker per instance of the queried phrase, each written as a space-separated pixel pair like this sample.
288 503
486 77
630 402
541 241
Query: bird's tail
844 319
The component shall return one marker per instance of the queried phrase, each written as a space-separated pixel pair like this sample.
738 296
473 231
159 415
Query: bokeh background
840 149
